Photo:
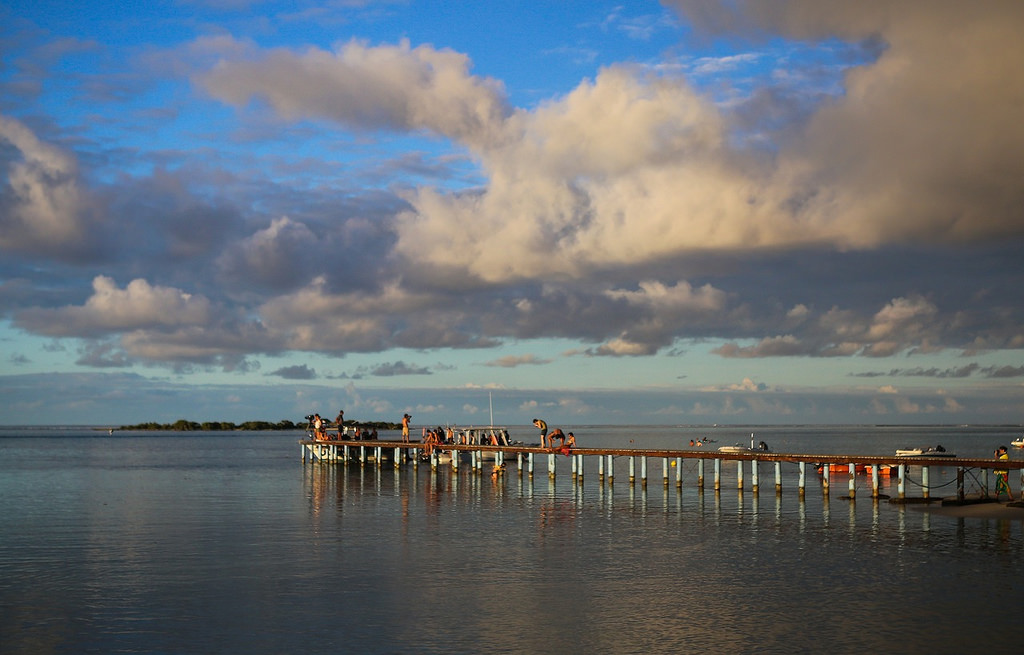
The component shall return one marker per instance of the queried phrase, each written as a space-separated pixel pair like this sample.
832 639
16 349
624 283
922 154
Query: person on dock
566 442
405 428
318 428
338 421
542 425
430 441
556 434
1002 475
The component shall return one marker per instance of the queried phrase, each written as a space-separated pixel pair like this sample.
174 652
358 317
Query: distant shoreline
183 425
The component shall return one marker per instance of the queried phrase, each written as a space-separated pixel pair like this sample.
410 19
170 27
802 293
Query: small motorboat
924 451
1018 442
741 449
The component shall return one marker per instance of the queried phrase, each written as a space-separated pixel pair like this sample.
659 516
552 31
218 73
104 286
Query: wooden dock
495 460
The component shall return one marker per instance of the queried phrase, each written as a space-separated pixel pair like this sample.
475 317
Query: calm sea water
228 543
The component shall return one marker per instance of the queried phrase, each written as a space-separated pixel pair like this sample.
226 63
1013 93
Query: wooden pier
524 458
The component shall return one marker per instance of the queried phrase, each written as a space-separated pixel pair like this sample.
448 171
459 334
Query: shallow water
226 543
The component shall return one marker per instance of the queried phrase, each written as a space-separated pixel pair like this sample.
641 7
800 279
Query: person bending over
542 425
556 434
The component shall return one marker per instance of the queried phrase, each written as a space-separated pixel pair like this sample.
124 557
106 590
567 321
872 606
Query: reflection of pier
578 460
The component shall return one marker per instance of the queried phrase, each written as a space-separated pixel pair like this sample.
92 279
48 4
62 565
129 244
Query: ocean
159 542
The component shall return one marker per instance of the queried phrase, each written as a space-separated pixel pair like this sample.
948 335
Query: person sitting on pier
762 446
556 434
429 442
567 442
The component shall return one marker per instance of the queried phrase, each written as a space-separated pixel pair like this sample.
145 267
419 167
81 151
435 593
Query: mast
490 403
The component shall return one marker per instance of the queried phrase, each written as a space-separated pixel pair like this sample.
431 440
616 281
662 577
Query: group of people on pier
439 436
321 429
547 439
451 435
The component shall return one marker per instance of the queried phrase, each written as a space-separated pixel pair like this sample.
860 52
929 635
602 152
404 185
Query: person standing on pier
1003 476
339 421
543 427
405 428
318 427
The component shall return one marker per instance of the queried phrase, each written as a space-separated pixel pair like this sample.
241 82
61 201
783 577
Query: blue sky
673 213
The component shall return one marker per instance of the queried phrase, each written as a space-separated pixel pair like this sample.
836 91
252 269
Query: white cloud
44 208
139 305
391 87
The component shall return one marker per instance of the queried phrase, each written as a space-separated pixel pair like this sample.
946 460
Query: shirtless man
556 434
542 425
564 440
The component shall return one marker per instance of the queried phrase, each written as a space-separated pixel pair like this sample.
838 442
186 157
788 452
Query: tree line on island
183 425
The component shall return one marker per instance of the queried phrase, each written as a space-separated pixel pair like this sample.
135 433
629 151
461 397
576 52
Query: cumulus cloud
153 324
279 257
632 166
387 87
103 354
110 309
747 385
902 325
911 151
44 208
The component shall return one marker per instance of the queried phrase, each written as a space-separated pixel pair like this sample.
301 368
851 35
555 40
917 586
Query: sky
687 212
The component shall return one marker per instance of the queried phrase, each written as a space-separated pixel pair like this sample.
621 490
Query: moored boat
1018 442
924 451
762 447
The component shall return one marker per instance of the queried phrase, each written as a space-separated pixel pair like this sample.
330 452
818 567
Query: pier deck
524 457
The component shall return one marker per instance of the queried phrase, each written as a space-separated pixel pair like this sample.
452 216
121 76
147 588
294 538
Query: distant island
183 425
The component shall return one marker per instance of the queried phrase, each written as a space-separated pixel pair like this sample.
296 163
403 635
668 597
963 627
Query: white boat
740 449
924 451
1018 442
